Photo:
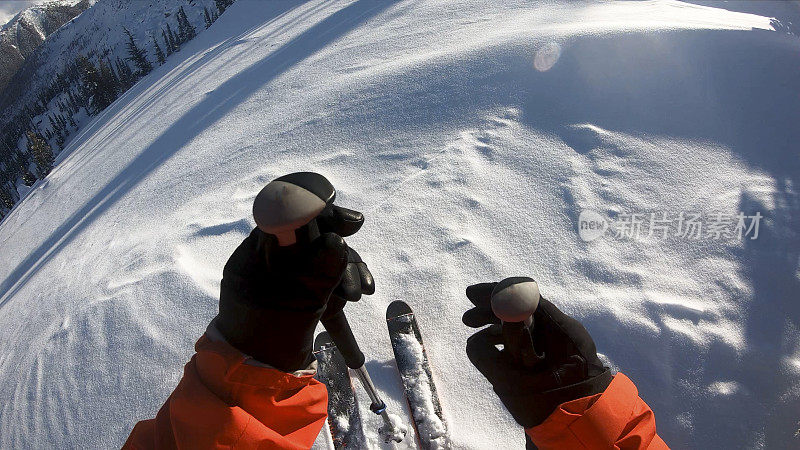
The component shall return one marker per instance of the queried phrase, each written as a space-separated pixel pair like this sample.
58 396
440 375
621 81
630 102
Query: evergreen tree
53 123
8 195
6 199
79 94
159 53
191 32
182 32
109 88
173 39
125 74
41 151
22 167
186 30
107 71
61 138
222 5
73 103
167 44
89 76
61 82
97 91
28 178
207 17
42 98
138 55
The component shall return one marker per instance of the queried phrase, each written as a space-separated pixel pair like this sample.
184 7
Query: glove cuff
279 338
541 405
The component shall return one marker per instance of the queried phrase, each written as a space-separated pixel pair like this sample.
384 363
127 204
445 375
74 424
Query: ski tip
397 308
323 340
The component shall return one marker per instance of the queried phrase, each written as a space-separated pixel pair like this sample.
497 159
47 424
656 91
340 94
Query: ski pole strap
339 329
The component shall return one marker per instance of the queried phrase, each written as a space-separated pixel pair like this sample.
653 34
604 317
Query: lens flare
546 56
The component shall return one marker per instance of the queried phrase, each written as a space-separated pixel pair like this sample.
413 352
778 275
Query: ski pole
341 333
514 300
287 208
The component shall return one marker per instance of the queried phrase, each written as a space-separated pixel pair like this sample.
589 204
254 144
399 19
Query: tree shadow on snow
212 108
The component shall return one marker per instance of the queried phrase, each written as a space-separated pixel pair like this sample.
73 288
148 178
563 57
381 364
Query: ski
344 419
415 373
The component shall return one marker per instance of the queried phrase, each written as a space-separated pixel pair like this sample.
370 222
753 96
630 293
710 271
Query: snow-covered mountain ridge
98 34
28 29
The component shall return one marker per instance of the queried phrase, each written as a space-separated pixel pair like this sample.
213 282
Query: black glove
272 297
570 369
357 279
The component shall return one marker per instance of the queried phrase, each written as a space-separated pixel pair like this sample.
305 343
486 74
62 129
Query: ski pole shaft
341 333
514 300
339 329
377 406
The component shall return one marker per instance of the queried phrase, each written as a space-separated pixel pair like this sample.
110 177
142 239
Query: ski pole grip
514 300
287 206
339 330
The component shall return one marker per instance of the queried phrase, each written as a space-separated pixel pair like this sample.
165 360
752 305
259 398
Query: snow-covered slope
50 96
471 134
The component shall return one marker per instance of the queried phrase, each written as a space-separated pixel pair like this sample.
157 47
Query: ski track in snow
470 165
